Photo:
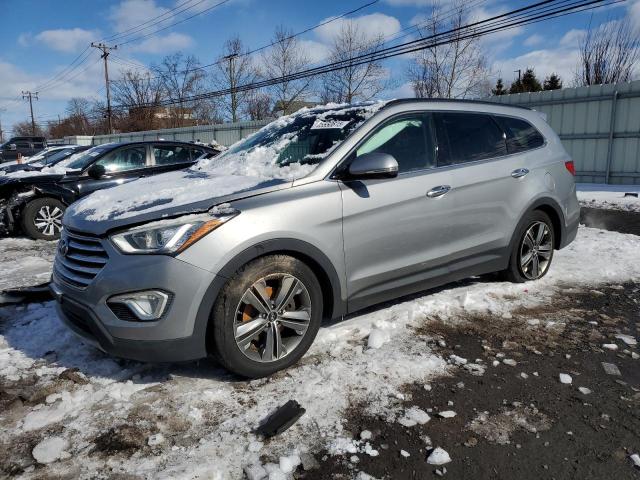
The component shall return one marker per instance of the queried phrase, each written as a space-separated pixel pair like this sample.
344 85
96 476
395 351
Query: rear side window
521 135
171 154
467 137
407 140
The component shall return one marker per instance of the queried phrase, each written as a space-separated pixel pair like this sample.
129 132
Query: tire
274 279
522 267
42 218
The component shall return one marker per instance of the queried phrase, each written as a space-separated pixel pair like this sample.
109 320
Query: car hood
28 177
162 196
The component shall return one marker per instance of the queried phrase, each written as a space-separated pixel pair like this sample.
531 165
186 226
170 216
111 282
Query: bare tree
259 106
286 57
24 129
608 53
79 116
354 82
234 69
180 78
140 94
455 70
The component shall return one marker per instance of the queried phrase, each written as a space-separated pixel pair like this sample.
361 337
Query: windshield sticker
320 124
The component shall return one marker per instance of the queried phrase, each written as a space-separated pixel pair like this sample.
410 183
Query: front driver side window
127 158
406 139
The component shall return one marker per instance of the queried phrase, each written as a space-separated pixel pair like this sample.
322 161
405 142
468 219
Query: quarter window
407 140
128 158
467 137
171 154
521 135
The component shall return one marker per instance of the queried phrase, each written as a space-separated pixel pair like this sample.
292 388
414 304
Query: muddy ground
614 220
530 426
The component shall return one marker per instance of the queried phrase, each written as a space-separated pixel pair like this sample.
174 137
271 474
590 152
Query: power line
136 28
174 24
297 34
476 29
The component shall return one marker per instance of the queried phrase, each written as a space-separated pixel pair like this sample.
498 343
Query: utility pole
232 81
2 110
31 96
105 53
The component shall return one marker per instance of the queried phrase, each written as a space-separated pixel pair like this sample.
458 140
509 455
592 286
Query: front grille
82 261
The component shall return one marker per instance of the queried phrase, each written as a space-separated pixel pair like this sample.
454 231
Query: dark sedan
34 202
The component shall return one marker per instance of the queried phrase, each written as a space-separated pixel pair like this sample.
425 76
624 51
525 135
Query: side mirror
96 171
12 147
373 165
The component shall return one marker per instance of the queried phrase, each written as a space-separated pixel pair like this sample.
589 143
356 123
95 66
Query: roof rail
451 100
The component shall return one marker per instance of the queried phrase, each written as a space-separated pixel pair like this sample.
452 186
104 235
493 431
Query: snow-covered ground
610 197
25 262
195 421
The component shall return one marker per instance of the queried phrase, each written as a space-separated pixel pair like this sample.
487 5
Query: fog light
146 305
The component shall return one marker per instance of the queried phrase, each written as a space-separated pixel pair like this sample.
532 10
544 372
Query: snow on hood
243 167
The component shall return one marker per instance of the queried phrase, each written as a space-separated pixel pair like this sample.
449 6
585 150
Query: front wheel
42 218
267 316
533 251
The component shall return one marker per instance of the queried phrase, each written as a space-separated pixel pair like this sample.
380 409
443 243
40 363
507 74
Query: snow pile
414 416
611 197
25 262
565 379
438 456
50 449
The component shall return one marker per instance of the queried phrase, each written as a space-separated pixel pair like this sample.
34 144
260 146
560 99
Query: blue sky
40 38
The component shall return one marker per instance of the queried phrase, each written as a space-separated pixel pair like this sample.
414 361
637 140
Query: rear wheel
533 251
266 316
42 218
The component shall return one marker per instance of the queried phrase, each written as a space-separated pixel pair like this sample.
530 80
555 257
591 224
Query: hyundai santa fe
317 215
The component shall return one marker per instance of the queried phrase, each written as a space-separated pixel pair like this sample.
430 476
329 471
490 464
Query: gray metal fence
225 133
598 125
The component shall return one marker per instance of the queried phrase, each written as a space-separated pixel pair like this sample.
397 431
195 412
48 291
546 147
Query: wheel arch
334 305
551 207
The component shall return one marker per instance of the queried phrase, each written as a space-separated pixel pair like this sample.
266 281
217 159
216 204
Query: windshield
292 146
54 157
86 158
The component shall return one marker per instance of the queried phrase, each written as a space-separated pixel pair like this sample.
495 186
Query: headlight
170 236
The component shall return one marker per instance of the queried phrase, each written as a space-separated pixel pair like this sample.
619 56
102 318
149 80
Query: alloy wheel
48 220
536 250
272 317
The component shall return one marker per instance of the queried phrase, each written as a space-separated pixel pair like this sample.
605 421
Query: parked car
318 215
34 202
49 157
21 146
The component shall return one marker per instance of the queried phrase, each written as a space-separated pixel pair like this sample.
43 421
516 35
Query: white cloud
572 38
131 13
315 51
562 61
372 26
66 40
533 40
171 42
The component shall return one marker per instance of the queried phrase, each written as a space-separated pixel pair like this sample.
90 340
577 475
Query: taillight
571 167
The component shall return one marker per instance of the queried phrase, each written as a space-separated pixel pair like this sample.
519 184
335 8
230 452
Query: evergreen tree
528 83
552 82
499 90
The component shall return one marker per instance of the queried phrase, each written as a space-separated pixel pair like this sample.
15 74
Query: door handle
438 191
519 172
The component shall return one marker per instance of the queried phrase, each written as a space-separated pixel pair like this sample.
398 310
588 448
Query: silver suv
317 215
